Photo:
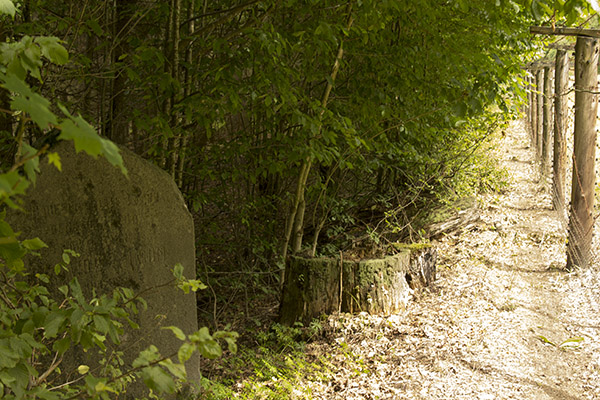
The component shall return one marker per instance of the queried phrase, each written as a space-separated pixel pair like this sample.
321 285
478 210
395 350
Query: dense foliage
285 123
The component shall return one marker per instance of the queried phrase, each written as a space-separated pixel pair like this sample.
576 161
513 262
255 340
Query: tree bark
581 220
119 115
295 221
561 83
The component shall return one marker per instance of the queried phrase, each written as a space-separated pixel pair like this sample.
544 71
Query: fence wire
571 225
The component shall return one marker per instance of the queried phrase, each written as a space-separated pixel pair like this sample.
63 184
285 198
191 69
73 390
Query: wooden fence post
530 103
547 120
561 82
533 109
539 101
581 219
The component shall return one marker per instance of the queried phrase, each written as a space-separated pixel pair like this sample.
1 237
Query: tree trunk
295 221
581 219
174 141
119 109
561 83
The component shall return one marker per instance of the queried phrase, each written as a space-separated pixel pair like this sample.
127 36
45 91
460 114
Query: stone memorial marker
129 232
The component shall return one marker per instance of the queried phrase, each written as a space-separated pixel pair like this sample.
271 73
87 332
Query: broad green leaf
103 387
24 99
210 349
176 331
33 244
146 357
158 380
7 7
101 323
112 154
177 370
185 352
83 369
52 49
53 323
38 109
16 85
83 135
62 345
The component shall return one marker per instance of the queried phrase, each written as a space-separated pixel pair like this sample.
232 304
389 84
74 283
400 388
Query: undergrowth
278 366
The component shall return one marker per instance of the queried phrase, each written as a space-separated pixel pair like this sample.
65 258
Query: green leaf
52 49
33 244
111 152
53 323
24 99
178 271
185 352
101 323
158 380
177 370
7 7
62 345
176 331
146 357
210 349
32 165
83 135
54 159
83 369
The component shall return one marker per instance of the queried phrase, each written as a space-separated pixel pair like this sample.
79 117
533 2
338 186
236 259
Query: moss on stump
312 285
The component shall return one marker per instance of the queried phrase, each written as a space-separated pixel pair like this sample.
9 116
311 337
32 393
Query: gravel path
504 321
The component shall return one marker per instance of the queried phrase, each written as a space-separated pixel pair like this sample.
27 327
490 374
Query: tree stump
317 286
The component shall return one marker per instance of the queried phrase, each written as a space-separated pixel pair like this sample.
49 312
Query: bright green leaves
52 49
561 12
75 128
85 138
25 56
12 184
7 7
26 100
185 284
539 9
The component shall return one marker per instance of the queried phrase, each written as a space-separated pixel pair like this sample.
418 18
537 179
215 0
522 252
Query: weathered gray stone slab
129 232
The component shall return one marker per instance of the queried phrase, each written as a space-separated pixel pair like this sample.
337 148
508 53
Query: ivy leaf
7 7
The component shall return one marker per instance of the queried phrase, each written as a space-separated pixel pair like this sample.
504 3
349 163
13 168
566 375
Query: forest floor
504 320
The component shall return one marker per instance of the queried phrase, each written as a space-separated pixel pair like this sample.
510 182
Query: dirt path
504 322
